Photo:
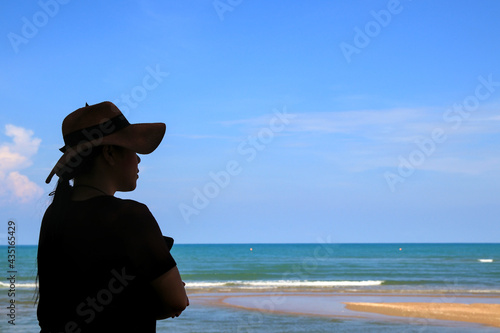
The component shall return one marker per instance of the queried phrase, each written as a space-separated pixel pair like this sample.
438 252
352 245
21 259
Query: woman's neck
86 188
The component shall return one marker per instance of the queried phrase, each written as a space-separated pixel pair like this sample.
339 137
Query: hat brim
142 138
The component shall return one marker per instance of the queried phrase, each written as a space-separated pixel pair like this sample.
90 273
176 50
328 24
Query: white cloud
360 140
354 122
22 188
15 156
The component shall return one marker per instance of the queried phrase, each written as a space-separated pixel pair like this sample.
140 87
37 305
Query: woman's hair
62 198
63 191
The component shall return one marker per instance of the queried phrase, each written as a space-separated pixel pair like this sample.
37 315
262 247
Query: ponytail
53 228
62 195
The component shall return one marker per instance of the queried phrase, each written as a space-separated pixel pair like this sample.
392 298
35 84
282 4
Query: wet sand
484 310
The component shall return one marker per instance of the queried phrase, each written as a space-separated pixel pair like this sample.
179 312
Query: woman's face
127 169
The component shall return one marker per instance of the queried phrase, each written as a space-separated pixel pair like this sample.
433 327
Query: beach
483 310
431 288
487 314
270 311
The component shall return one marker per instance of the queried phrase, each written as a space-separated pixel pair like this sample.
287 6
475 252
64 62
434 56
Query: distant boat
485 260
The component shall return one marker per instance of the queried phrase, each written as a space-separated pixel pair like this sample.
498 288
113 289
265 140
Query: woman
103 264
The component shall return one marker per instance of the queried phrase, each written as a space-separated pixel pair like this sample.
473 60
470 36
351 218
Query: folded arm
171 293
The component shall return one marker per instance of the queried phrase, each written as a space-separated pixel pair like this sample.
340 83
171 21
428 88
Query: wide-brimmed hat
102 124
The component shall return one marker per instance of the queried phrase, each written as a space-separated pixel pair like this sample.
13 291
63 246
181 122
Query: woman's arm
171 293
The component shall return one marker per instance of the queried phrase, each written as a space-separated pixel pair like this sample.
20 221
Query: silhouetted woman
103 263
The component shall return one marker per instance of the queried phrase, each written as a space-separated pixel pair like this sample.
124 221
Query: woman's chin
128 188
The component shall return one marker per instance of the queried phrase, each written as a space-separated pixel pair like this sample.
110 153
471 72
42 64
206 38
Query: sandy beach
487 314
430 309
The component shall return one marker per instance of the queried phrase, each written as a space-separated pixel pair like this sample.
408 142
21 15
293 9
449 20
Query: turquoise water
398 268
438 267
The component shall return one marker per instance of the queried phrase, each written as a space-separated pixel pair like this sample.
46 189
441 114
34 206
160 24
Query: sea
448 270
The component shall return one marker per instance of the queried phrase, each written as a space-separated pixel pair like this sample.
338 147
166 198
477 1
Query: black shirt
95 269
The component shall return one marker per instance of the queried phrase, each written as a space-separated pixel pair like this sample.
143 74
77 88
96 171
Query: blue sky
287 121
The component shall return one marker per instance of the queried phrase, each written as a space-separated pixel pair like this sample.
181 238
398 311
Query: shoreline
478 313
428 309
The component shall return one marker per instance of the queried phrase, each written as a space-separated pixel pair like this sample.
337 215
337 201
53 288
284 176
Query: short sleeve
145 246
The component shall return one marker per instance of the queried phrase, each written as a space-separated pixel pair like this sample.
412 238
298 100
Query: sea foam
260 284
18 285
